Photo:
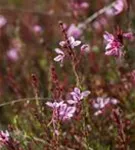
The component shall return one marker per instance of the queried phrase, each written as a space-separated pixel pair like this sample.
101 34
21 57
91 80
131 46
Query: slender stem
78 84
84 24
22 100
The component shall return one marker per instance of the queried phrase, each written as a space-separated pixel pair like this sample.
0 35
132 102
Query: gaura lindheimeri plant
73 43
60 57
77 95
61 111
100 104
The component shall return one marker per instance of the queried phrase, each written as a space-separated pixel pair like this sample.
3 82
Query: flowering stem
71 54
22 100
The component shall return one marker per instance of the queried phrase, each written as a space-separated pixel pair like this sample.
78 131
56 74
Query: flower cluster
77 96
65 111
100 103
70 42
60 57
61 111
114 46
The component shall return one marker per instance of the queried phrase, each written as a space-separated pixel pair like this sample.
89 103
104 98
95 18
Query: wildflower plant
61 85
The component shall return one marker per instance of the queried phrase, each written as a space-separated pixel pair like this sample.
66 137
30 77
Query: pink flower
13 54
37 29
61 110
4 136
73 43
3 21
100 104
113 46
116 9
129 35
78 96
84 5
54 104
66 112
74 31
60 57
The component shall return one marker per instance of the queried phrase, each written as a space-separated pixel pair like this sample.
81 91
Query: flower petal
76 43
72 102
59 51
62 43
77 90
85 94
58 58
71 40
108 37
49 104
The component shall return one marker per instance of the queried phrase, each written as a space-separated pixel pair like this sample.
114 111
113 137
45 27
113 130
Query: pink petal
71 40
49 104
98 113
85 94
108 46
76 43
109 53
129 35
62 43
72 102
108 37
77 90
58 58
59 51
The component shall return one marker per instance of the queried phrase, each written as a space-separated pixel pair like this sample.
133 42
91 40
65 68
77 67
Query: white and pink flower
72 42
61 110
60 57
4 137
113 45
77 96
100 103
74 31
